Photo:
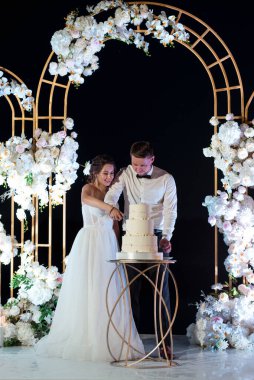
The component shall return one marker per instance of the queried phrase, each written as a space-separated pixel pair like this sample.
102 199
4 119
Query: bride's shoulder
88 189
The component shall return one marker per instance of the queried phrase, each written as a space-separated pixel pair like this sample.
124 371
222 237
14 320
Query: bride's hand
116 214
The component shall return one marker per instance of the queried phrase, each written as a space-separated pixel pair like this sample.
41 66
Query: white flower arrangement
232 210
7 246
225 319
77 45
233 151
28 316
20 90
234 217
26 165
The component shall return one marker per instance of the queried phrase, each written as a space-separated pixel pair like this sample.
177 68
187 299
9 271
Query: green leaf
12 342
234 292
29 179
19 279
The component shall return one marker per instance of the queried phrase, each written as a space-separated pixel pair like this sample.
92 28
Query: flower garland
26 165
20 90
83 37
28 317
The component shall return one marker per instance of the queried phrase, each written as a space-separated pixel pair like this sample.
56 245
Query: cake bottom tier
137 243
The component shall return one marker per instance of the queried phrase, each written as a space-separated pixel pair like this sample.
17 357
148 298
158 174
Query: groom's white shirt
159 192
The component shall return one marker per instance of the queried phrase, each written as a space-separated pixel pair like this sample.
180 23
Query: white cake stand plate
139 256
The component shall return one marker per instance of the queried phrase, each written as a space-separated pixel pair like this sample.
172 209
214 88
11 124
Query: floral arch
210 50
205 44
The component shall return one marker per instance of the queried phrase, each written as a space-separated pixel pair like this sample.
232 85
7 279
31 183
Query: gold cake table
149 359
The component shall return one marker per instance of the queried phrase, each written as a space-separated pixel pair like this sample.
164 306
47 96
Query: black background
165 98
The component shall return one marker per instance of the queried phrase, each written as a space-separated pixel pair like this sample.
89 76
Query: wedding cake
139 242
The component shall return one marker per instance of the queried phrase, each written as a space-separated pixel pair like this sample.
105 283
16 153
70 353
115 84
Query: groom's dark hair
141 149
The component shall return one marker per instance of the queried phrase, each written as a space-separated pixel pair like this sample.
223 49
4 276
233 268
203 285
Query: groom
142 182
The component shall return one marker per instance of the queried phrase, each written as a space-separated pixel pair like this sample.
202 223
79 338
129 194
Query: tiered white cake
139 242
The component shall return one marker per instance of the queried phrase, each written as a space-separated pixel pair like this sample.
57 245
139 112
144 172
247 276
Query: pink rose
217 319
243 289
37 133
227 226
20 149
62 134
41 143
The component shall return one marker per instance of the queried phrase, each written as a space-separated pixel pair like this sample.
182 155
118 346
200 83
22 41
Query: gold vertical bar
12 238
64 231
50 229
36 257
33 224
216 253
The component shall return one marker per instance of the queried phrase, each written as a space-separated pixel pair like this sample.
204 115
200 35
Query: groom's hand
165 245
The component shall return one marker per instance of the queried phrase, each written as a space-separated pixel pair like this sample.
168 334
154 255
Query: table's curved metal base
151 363
147 358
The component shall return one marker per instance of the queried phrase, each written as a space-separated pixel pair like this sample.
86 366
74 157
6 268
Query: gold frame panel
205 44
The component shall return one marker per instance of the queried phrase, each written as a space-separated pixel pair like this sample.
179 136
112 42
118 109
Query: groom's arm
116 189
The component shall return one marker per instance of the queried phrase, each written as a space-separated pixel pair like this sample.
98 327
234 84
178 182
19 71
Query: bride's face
106 175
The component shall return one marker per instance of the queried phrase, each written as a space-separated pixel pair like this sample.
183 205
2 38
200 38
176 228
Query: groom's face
142 165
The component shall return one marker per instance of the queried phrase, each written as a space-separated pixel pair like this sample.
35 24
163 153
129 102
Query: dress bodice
93 216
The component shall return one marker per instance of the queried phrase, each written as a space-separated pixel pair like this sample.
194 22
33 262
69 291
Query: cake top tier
139 211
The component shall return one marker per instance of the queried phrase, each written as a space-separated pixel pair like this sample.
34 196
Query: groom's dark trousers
135 290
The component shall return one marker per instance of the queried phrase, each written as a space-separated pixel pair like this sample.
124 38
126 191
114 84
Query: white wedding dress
79 327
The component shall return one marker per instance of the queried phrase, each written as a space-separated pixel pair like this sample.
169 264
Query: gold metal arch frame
158 304
20 122
227 87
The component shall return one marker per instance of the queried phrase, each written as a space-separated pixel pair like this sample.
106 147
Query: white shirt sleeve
169 208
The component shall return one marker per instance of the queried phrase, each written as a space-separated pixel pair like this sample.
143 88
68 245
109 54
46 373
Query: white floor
193 363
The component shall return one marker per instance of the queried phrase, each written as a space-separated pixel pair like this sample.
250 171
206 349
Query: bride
79 326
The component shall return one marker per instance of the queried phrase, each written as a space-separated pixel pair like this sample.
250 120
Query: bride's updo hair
97 164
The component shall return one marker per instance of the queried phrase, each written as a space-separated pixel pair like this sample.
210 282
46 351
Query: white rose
250 145
249 132
237 167
14 311
74 135
21 215
250 278
212 220
230 116
53 68
60 42
84 22
242 189
223 297
62 69
122 17
214 121
68 123
55 152
242 153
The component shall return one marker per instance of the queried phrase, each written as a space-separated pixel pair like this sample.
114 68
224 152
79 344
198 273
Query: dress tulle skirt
79 327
